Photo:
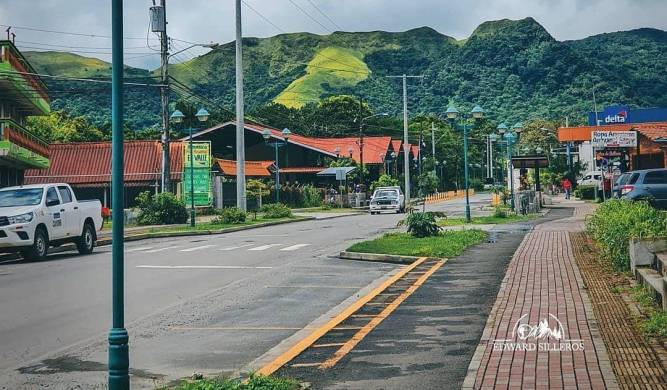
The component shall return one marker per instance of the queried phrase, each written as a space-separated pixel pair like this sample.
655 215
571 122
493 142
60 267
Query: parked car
593 178
387 199
647 184
34 217
620 181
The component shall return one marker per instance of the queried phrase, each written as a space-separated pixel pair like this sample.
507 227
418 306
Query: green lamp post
178 117
452 114
119 354
286 133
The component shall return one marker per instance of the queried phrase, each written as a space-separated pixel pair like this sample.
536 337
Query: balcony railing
16 134
18 65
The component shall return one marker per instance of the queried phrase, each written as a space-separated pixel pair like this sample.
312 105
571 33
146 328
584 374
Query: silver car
387 199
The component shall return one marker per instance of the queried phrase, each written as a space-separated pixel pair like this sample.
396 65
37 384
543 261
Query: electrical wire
78 51
309 15
325 15
263 17
20 42
63 32
89 80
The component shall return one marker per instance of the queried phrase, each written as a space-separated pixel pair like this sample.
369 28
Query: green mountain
514 69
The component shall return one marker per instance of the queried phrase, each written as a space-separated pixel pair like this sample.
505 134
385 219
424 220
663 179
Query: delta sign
618 114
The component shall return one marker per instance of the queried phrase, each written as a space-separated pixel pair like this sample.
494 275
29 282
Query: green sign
201 153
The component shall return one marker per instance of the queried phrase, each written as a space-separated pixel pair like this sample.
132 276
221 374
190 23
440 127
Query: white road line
143 248
231 248
197 248
200 267
294 247
263 247
163 249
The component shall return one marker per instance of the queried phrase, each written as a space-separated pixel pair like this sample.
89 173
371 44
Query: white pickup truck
34 217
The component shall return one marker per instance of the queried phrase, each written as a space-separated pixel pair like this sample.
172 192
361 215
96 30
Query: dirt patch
635 360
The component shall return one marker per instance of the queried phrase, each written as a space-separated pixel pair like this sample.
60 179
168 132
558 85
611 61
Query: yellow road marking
299 347
345 349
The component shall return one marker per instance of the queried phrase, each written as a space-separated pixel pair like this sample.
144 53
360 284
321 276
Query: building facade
22 94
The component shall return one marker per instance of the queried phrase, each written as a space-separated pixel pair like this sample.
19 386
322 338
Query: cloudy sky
213 21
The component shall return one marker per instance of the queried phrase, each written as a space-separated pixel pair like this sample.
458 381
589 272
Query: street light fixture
476 113
286 133
510 137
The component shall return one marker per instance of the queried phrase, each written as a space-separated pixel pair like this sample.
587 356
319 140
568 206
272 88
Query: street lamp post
119 354
266 133
511 137
202 116
476 113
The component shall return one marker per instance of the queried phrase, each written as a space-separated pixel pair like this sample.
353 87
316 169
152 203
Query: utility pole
240 123
433 146
161 27
406 147
361 139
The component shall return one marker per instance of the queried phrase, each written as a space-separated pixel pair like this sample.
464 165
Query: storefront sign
201 152
614 139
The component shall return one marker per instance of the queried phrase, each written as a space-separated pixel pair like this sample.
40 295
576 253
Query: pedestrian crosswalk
256 247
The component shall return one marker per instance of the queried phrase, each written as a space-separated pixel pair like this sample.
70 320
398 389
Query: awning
332 171
304 170
252 168
530 162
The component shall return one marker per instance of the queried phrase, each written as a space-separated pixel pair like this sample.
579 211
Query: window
633 178
65 194
587 177
52 196
21 197
597 177
656 177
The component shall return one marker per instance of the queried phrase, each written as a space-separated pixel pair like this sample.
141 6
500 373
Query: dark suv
648 184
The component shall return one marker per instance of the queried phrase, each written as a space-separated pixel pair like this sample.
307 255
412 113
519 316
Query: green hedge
616 221
276 210
585 192
231 215
161 209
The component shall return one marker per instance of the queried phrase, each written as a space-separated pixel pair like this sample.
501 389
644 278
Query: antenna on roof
8 28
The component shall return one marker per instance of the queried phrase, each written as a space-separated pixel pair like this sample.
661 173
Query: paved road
207 303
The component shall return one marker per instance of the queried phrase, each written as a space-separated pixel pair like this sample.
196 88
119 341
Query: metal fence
527 202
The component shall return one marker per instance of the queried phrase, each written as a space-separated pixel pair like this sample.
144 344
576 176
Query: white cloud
206 21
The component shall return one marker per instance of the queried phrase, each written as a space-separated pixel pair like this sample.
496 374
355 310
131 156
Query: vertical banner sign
201 152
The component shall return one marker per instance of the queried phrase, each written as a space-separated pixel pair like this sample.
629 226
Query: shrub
585 192
617 221
384 181
421 224
500 212
476 184
231 216
162 209
312 197
276 210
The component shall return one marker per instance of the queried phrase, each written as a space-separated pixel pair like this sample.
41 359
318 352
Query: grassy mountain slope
331 68
514 69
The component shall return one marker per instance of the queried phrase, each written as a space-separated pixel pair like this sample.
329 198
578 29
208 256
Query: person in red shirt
567 186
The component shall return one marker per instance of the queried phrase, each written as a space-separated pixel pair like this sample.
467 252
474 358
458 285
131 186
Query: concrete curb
376 257
145 236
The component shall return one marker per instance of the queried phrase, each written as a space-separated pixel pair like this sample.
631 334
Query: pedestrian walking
567 187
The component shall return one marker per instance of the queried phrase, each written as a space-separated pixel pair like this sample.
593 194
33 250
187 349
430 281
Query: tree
58 126
384 181
257 189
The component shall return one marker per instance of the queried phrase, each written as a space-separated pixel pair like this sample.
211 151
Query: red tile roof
375 148
89 163
396 145
252 168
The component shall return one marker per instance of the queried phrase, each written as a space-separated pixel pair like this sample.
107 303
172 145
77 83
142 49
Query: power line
309 15
263 17
325 15
20 42
76 51
88 80
64 32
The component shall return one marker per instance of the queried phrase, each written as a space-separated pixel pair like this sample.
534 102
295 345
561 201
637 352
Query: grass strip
445 244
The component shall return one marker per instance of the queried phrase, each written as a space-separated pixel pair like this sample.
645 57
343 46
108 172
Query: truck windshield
21 197
385 194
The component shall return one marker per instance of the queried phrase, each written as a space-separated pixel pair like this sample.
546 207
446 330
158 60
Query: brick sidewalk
542 283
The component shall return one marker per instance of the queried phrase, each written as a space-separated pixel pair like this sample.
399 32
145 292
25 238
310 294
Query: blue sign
613 115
